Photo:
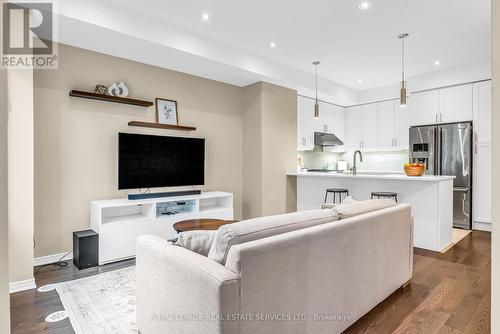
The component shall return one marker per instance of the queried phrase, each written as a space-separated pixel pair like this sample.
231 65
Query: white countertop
361 175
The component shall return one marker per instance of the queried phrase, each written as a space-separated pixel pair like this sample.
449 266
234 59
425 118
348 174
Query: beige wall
270 132
495 247
252 158
279 147
76 139
4 258
21 171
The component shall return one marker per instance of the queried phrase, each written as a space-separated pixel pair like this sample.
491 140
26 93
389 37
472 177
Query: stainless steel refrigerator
446 149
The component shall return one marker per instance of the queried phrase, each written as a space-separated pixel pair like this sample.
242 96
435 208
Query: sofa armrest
179 291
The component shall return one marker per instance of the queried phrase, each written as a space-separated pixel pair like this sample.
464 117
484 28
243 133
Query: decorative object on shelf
414 169
110 98
316 102
101 89
403 93
166 111
118 89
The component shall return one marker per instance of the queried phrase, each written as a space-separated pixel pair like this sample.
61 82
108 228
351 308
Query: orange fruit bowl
414 170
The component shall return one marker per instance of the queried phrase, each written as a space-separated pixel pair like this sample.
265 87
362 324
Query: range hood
326 139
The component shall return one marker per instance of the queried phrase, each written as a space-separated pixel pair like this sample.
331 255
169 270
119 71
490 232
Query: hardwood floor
449 293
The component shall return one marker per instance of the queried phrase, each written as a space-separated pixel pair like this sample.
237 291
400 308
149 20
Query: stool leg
371 197
396 198
326 196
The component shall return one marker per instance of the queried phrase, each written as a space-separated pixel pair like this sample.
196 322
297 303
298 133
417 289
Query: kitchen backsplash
390 161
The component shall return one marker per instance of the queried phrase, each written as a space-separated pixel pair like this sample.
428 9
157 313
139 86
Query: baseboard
481 226
22 285
43 260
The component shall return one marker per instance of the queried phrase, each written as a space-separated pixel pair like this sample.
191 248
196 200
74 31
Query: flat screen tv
146 161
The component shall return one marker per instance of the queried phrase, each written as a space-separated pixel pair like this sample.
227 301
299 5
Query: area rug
101 304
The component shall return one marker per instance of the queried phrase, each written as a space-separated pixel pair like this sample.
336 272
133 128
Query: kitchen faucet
354 161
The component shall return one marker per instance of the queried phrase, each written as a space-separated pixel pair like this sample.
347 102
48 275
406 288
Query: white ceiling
350 43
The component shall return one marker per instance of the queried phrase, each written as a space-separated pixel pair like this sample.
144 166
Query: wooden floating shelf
110 98
161 126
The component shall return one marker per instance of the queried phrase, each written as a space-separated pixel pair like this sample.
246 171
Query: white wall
21 174
4 254
442 78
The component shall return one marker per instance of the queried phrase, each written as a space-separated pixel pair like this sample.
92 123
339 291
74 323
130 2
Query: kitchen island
431 199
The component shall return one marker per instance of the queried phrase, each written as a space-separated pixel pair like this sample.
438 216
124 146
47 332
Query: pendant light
316 103
403 93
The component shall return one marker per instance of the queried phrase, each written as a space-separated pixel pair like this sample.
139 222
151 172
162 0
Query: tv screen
146 161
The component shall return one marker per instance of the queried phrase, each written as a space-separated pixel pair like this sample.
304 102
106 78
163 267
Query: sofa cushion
348 200
197 241
351 209
258 228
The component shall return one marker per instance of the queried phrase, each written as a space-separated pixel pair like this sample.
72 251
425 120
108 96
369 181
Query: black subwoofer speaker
85 249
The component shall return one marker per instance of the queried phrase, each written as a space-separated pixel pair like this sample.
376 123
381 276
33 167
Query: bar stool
385 194
336 191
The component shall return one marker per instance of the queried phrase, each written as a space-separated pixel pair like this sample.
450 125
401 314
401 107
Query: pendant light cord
403 58
316 83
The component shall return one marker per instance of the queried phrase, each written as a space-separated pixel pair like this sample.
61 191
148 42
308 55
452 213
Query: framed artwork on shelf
166 111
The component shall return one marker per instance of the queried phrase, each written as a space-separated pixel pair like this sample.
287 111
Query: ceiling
350 43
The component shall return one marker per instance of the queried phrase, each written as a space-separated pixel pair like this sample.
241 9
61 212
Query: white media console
120 221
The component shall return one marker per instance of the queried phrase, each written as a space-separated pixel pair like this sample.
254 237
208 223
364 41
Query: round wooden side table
201 224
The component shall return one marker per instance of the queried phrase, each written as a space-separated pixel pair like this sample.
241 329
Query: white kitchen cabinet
424 107
482 184
386 124
455 104
353 127
402 125
331 119
338 122
305 123
482 111
481 202
369 126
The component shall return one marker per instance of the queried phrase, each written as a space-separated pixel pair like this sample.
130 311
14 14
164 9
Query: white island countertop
361 175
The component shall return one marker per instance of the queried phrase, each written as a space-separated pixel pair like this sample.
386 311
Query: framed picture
166 111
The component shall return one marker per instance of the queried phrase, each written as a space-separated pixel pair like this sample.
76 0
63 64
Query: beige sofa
319 279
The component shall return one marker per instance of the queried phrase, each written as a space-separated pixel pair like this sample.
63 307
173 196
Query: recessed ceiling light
360 80
205 17
364 5
437 63
272 44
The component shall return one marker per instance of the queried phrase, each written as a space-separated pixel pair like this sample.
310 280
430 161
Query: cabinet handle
441 117
304 141
325 128
436 118
395 142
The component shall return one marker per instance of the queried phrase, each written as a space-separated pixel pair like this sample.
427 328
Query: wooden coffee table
201 224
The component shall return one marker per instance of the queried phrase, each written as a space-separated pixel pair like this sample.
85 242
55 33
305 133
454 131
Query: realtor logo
28 34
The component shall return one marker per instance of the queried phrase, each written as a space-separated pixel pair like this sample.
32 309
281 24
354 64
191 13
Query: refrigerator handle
439 138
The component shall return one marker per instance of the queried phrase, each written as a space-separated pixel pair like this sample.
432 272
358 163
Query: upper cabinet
369 124
402 126
424 107
482 111
353 128
386 123
455 104
305 123
331 120
446 105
